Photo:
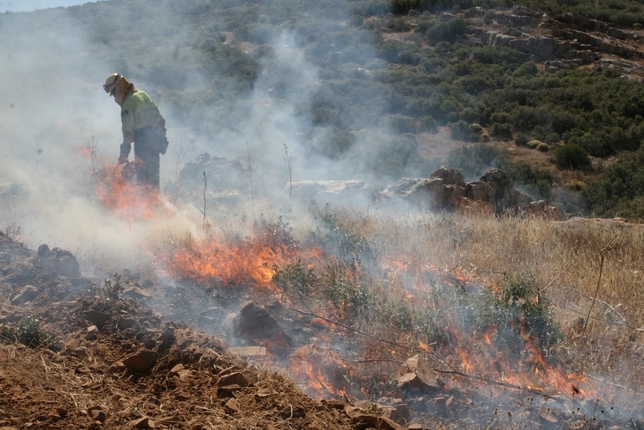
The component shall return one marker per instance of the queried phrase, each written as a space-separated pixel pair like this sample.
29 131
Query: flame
320 369
127 200
232 262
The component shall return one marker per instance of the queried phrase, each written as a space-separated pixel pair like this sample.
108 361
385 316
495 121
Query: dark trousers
148 143
147 164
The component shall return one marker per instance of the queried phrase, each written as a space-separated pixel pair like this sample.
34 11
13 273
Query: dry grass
563 257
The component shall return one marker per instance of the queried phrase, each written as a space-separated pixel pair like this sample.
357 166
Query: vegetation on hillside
207 59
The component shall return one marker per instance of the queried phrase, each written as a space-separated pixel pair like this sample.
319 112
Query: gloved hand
125 151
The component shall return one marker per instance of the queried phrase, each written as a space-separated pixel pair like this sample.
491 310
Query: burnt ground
81 353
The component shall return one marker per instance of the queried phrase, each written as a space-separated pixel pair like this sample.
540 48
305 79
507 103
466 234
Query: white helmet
110 83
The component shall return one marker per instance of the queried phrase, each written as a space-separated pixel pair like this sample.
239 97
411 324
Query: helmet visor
111 87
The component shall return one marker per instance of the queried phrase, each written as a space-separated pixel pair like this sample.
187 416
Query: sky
31 5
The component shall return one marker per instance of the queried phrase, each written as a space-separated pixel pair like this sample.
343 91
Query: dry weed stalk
561 257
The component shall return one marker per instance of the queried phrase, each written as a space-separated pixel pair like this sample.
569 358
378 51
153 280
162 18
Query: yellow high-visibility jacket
138 111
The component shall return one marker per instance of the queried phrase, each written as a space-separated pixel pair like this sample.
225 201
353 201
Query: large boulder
446 189
332 191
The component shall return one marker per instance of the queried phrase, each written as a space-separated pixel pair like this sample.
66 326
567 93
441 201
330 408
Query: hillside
356 93
306 263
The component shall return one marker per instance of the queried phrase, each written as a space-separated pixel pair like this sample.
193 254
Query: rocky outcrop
445 189
329 191
565 41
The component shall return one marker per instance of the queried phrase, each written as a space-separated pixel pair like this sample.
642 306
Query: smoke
249 102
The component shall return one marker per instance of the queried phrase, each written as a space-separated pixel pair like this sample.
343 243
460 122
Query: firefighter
142 125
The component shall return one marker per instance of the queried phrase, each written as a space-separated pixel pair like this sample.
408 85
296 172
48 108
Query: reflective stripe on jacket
139 111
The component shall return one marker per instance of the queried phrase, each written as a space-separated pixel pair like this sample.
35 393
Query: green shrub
474 161
28 332
459 130
543 147
501 131
533 144
295 277
521 139
571 156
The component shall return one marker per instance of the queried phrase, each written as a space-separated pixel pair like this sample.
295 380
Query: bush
521 139
474 161
501 131
543 147
571 156
28 332
459 130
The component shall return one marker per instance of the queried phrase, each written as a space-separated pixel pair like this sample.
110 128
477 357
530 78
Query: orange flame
128 200
320 369
227 262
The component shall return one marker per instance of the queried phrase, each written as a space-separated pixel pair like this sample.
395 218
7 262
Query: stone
60 261
232 407
116 367
97 414
449 175
125 323
25 295
235 378
92 332
255 324
374 421
143 423
177 368
248 351
141 361
292 412
97 318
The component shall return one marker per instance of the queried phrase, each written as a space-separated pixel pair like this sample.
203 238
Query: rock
292 412
235 378
449 175
141 361
150 343
97 318
177 368
62 262
364 421
24 295
97 414
143 423
248 351
125 323
399 413
184 374
92 332
116 367
253 323
330 191
167 335
78 352
419 375
136 292
232 407
420 192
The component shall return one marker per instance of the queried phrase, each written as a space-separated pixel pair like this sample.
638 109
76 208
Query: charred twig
613 384
499 383
205 224
289 162
250 173
612 308
602 253
381 360
602 320
349 328
553 281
